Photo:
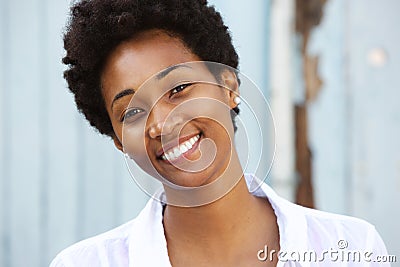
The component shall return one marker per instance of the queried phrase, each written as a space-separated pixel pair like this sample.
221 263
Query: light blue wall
329 118
249 23
61 182
355 121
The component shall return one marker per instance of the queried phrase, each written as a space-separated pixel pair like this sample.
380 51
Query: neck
235 219
216 219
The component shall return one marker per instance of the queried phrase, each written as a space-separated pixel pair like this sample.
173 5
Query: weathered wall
354 118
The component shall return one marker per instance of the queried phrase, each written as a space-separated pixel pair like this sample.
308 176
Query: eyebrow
165 72
122 94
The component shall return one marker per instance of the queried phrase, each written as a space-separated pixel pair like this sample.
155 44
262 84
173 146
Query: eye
179 88
130 113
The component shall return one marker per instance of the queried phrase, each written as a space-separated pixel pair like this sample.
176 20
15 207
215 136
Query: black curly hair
96 27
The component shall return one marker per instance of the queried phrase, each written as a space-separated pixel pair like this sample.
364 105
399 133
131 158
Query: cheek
135 145
217 113
204 105
133 141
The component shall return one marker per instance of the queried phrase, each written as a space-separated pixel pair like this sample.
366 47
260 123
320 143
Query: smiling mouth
186 147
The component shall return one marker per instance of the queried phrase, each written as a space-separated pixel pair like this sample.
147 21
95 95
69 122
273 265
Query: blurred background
329 68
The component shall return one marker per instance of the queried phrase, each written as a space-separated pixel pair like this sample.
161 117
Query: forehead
134 61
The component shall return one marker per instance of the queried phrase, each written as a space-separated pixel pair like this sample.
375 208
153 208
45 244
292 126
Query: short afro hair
96 27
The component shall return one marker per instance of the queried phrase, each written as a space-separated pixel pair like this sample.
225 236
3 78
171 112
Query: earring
237 100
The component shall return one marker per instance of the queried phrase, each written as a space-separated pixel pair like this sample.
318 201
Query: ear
117 143
230 80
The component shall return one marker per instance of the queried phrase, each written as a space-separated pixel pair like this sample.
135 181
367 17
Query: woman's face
155 119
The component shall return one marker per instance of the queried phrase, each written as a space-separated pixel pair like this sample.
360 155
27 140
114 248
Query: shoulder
108 246
323 223
327 231
115 247
304 228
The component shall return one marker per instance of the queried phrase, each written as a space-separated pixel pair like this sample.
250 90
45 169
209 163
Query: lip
173 143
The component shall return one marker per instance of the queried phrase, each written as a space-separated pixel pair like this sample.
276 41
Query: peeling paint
308 15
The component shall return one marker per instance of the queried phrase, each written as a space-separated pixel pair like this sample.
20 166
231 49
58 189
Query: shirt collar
148 246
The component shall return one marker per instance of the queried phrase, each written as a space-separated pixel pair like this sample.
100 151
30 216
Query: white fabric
141 242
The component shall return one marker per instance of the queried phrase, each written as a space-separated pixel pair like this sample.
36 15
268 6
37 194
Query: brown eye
179 88
131 114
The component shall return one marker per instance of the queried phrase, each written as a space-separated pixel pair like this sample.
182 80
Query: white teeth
177 153
188 145
179 150
192 141
183 148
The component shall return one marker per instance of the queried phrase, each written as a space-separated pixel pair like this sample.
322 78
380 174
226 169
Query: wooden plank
328 114
282 73
63 142
374 84
132 198
24 138
354 123
98 197
43 89
4 132
110 196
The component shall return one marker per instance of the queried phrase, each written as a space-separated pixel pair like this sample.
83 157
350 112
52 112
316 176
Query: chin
187 179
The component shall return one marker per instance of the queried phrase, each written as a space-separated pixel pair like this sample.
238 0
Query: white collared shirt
308 237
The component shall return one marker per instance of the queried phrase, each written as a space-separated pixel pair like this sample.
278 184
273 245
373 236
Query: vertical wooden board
4 150
128 199
104 186
375 149
81 215
328 114
99 183
43 67
250 35
25 133
117 186
63 141
369 150
111 197
132 199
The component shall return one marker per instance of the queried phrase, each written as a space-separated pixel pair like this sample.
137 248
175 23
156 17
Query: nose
161 121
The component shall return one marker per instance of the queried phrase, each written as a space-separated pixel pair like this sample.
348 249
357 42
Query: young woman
121 56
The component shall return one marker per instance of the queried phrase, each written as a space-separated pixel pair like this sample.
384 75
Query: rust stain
312 79
308 15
